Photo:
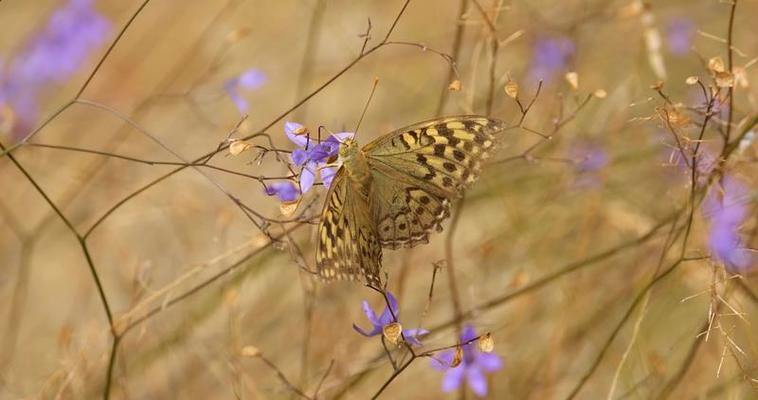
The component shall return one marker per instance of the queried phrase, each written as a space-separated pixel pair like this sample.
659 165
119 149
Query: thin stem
110 49
453 286
83 244
455 54
730 65
307 63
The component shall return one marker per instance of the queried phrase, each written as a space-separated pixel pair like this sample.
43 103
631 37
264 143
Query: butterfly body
394 191
355 163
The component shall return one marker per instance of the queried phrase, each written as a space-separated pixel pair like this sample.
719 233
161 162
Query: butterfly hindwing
404 213
419 169
348 244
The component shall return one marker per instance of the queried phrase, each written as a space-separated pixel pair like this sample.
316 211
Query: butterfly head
349 150
355 162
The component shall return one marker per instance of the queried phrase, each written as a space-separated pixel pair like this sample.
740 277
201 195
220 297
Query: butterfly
394 191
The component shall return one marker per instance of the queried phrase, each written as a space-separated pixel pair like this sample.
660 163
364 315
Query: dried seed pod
716 64
600 93
455 86
485 343
724 79
237 34
238 146
678 119
511 89
287 208
457 357
250 351
573 79
392 332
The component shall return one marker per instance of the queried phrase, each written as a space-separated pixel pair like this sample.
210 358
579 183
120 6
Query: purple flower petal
411 335
550 55
307 177
679 34
415 332
740 260
476 381
299 157
329 147
588 157
248 80
299 140
469 333
55 54
393 304
251 79
442 360
726 204
327 175
239 101
490 362
374 332
321 152
453 378
286 191
725 243
387 316
370 314
52 56
725 207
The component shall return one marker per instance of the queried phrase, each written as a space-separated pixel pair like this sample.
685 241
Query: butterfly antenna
365 108
323 128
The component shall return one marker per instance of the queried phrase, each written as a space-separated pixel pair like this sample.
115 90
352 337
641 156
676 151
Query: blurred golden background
133 265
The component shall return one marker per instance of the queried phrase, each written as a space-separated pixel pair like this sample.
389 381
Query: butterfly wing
348 244
418 169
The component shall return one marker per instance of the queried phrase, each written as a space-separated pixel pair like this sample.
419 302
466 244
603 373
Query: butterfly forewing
417 170
348 245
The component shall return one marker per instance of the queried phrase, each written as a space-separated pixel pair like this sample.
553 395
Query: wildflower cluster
310 157
470 366
726 208
550 55
52 56
589 160
386 318
466 362
250 79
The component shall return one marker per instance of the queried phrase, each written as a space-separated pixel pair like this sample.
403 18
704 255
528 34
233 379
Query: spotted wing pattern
348 244
419 169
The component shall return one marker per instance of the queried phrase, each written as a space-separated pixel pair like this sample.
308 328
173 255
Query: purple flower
550 55
705 162
248 80
471 369
312 155
52 56
378 323
679 34
286 191
589 160
726 209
